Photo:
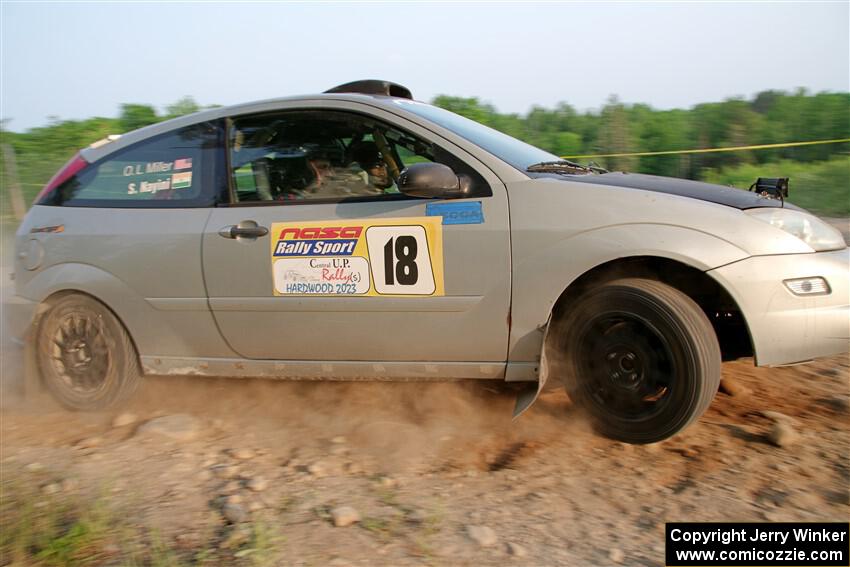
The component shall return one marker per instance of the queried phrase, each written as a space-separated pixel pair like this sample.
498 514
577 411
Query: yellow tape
709 150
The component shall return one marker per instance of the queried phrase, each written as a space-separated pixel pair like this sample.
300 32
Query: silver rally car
359 234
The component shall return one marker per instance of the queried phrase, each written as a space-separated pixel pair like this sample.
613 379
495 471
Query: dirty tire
84 355
641 358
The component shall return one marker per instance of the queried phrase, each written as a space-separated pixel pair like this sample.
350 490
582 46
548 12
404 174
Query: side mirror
433 180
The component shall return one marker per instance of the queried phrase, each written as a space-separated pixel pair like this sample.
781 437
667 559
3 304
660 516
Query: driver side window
319 156
327 156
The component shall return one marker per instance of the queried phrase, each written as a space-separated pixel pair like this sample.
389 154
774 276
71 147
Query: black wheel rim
626 366
79 352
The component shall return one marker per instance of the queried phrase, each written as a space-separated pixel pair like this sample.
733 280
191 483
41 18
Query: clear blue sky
77 60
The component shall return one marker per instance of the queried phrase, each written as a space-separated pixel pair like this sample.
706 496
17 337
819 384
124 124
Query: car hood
719 194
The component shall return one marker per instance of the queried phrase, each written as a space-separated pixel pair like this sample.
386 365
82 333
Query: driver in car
377 176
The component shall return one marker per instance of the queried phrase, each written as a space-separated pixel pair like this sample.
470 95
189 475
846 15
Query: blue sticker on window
456 213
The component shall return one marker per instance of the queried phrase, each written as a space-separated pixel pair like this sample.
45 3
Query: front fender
540 278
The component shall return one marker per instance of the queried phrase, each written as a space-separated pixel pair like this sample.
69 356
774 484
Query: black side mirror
433 180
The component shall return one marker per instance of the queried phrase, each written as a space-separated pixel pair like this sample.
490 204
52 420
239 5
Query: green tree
185 105
615 135
135 116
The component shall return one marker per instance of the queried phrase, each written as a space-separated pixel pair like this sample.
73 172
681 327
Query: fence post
19 208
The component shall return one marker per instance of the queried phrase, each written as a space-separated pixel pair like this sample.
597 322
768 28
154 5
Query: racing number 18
405 269
402 253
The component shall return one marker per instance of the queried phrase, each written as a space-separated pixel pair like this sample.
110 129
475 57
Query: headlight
808 228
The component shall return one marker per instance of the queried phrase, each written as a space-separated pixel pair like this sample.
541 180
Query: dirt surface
221 472
428 468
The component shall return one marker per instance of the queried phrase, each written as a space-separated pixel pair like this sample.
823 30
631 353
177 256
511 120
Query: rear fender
154 328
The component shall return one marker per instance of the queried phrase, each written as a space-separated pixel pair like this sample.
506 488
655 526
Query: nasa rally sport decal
400 257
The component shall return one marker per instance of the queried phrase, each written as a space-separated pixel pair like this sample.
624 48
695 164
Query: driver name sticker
385 257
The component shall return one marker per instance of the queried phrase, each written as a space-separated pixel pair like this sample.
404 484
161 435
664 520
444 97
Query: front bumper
19 312
786 328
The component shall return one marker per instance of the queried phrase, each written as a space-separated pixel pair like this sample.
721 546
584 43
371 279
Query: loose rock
616 555
316 469
243 454
344 516
234 513
417 517
124 419
89 443
782 434
353 468
52 488
482 535
177 427
777 417
258 484
690 453
226 471
734 388
516 549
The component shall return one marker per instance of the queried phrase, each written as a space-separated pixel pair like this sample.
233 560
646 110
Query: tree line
769 117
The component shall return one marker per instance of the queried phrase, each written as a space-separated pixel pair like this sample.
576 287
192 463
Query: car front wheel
641 357
85 357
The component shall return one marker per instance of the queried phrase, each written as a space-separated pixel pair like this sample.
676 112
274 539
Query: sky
76 60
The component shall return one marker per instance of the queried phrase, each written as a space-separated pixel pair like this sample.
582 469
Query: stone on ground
176 427
124 419
782 434
734 388
482 535
344 516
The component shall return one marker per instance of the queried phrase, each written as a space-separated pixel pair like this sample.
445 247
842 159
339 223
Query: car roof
103 148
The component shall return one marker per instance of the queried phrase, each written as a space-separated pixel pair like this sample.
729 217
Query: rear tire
641 357
84 355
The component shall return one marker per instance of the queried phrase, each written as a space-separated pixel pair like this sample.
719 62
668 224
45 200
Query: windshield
508 149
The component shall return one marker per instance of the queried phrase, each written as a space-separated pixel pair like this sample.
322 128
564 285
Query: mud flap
526 397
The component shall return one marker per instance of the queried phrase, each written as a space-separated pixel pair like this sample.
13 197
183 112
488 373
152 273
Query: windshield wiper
563 166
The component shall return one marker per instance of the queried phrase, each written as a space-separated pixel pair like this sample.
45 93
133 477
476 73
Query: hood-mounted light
771 187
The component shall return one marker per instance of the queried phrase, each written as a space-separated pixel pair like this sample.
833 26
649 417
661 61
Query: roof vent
373 87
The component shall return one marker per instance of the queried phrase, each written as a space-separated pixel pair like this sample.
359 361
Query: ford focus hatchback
361 234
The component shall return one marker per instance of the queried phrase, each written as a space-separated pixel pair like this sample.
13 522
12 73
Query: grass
62 530
52 530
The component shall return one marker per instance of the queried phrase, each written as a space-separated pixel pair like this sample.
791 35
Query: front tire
84 355
641 357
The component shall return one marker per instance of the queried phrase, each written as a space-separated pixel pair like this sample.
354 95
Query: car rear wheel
641 357
84 355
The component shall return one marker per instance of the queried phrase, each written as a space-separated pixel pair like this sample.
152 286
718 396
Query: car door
311 261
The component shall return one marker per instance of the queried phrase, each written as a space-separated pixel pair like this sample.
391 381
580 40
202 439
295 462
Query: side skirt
321 370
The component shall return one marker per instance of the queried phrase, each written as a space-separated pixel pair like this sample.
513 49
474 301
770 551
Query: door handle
245 229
